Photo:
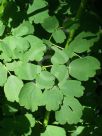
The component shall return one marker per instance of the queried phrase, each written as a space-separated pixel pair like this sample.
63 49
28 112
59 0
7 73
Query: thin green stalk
46 119
77 17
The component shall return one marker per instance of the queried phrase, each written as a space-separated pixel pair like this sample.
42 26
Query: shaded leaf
40 17
37 4
50 24
59 36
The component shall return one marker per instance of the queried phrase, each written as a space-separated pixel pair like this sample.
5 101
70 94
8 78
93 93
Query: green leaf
50 24
31 119
71 88
70 112
60 72
12 88
2 28
40 17
45 80
24 29
54 131
27 71
59 36
84 68
30 96
3 74
21 43
12 66
52 99
36 51
81 43
17 48
78 131
6 52
37 4
60 57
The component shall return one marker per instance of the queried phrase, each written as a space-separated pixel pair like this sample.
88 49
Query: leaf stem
46 119
77 17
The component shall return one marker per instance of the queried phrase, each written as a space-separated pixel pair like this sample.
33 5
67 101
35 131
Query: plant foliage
49 64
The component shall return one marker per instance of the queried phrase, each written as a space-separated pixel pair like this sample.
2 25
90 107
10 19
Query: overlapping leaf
17 48
24 29
40 17
84 68
60 56
37 49
45 80
31 96
60 72
52 99
36 6
27 71
70 111
71 88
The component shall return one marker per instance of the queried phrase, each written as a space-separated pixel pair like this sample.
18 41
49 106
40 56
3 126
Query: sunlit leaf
12 88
